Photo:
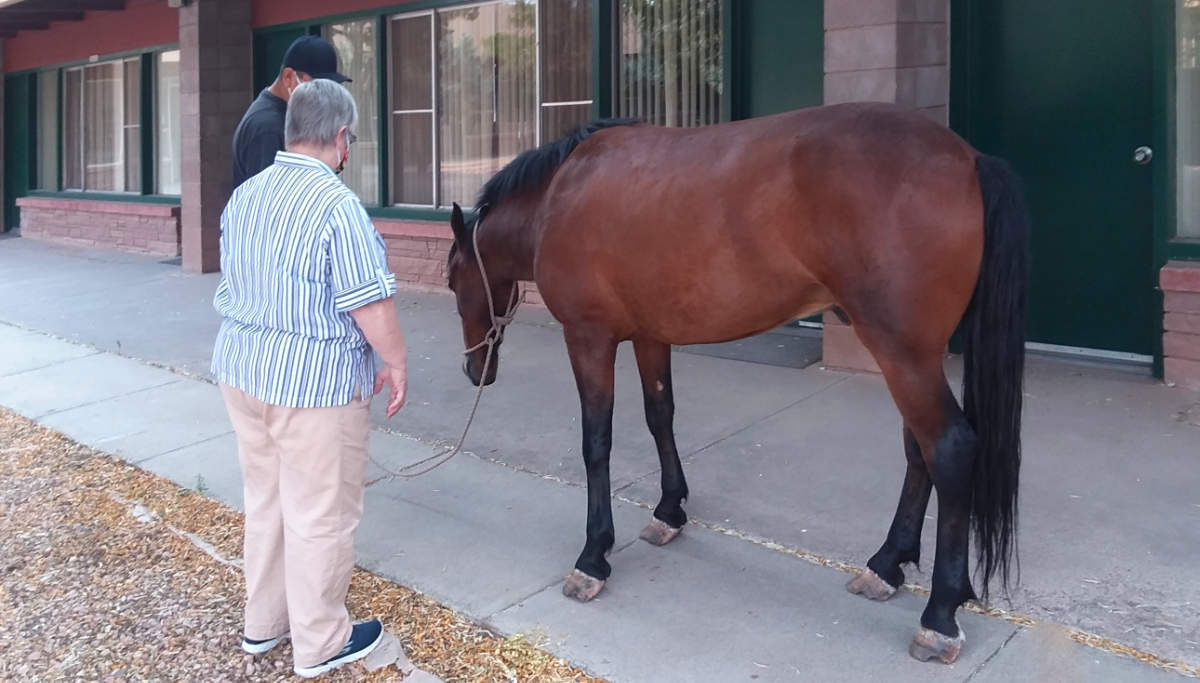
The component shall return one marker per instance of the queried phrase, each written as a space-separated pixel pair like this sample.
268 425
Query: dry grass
88 591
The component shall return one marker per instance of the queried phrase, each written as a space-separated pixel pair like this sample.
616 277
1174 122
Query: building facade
118 116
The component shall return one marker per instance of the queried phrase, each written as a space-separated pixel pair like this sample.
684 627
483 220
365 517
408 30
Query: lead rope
494 336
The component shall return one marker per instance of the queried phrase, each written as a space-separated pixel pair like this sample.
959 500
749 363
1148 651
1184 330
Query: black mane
533 167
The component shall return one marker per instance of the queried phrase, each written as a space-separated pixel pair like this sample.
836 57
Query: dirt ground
111 573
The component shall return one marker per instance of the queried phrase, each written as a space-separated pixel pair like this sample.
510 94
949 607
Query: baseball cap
314 56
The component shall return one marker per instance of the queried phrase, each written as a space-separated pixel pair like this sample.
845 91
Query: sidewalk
804 460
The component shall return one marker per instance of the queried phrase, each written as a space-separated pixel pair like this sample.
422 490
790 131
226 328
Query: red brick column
215 89
1180 283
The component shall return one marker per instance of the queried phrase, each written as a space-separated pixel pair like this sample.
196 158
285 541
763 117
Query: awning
37 15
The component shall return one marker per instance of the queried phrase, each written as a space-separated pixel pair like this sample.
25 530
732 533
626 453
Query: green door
18 143
1062 89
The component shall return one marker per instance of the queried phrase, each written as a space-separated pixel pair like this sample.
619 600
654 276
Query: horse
673 236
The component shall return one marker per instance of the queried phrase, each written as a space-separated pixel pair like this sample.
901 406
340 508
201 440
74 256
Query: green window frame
142 62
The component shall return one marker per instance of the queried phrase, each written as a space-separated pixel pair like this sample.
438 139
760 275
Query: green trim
1163 199
409 213
35 129
149 128
108 197
35 96
603 39
729 25
961 24
1182 250
383 92
58 143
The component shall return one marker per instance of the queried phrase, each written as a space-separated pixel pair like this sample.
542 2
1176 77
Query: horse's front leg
654 366
593 356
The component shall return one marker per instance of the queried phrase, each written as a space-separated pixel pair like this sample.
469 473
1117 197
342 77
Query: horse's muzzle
474 371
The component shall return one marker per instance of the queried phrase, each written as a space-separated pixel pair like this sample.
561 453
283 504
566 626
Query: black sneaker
257 647
364 638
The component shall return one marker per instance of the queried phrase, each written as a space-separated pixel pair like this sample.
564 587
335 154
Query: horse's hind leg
946 444
654 366
903 544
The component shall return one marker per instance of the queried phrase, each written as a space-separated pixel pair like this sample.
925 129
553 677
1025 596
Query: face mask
292 89
350 138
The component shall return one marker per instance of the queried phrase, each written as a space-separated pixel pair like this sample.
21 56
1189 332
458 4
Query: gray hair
316 111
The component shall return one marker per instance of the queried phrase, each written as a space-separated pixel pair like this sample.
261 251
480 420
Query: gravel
111 573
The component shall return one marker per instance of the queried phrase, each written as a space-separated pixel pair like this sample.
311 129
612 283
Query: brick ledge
99 206
1180 276
392 227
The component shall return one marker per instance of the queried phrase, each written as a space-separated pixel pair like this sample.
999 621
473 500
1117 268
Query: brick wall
144 228
1180 283
214 91
417 253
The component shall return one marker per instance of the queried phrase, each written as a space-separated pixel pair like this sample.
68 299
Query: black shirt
258 137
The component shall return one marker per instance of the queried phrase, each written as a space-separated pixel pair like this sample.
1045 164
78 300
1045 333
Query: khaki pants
303 471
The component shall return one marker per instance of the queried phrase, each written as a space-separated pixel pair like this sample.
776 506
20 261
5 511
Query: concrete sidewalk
808 460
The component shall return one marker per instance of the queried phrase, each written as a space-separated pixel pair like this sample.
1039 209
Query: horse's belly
732 312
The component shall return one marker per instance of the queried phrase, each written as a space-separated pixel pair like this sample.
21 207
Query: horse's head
466 281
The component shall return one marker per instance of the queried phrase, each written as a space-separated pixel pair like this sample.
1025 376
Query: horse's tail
994 355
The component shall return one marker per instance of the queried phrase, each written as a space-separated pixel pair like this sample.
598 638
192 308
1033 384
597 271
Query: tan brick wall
215 71
142 228
418 252
1180 282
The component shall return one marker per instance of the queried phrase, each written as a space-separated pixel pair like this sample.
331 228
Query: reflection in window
465 87
566 28
169 131
356 50
1187 125
102 127
669 62
47 131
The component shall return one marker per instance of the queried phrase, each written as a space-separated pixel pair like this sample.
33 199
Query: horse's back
764 219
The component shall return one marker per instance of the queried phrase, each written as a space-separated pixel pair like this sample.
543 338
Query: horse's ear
459 226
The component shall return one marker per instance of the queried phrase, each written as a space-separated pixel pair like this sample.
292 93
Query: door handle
1142 155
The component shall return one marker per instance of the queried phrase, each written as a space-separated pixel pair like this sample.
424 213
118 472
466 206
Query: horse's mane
533 167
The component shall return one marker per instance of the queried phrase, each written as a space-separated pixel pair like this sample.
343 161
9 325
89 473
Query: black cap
314 56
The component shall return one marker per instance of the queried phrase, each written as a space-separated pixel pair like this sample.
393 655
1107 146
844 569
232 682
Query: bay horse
674 236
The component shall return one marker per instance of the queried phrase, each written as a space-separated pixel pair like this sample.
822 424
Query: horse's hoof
581 587
658 532
868 584
929 644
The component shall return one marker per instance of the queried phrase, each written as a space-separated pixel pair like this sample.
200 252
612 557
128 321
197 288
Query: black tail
994 355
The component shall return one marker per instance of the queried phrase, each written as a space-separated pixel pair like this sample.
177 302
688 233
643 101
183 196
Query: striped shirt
298 253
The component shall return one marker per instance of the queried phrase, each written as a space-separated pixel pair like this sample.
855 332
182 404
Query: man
305 296
260 134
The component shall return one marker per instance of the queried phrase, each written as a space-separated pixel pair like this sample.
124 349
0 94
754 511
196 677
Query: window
669 62
566 69
412 110
47 131
356 45
167 123
468 91
1187 102
102 129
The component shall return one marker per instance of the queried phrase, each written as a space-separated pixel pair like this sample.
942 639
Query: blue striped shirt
298 253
